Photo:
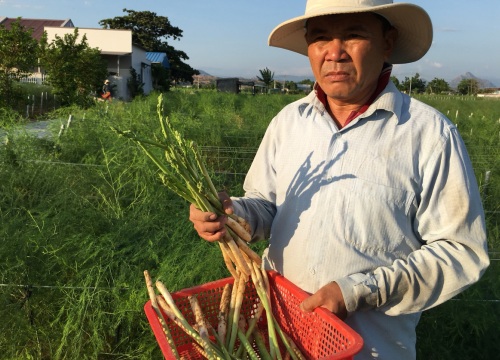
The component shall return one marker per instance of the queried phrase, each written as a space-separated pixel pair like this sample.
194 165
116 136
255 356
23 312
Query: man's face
347 53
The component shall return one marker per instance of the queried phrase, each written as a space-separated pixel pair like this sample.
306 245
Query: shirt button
313 271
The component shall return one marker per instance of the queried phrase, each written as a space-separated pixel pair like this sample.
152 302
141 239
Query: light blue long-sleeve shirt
388 207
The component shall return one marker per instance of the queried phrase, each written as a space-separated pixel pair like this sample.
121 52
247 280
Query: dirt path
37 128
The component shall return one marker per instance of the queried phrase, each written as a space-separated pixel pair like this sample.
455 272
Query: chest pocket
378 220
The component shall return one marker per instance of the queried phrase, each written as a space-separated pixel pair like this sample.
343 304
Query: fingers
329 297
227 204
207 224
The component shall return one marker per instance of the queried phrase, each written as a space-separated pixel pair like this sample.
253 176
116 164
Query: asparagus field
83 213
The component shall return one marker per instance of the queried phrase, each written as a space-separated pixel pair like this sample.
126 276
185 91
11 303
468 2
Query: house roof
158 58
36 24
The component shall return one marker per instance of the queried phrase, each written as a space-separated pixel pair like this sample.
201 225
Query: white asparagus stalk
237 309
201 324
232 307
240 263
266 281
238 229
264 297
171 304
228 258
242 222
183 325
251 254
163 322
180 322
223 311
199 317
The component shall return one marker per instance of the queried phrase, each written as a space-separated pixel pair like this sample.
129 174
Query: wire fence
232 163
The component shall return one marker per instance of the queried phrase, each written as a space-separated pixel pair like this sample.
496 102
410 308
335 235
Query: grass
465 328
84 214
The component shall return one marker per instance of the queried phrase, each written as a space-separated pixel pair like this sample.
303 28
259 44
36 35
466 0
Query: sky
227 38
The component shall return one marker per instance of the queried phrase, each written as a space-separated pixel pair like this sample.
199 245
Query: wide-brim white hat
412 22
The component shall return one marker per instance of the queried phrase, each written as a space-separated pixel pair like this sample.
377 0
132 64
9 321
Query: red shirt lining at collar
383 80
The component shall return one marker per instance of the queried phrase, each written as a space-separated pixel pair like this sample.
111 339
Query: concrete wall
108 41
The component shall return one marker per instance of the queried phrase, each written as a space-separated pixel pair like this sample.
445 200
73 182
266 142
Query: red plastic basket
320 334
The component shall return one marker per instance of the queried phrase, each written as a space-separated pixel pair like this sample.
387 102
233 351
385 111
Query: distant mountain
204 73
483 83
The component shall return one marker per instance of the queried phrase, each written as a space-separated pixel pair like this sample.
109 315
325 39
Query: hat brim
412 22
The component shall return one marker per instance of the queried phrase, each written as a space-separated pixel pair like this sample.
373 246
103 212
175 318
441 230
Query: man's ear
390 37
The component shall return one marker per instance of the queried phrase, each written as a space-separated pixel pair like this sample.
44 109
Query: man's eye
317 38
354 36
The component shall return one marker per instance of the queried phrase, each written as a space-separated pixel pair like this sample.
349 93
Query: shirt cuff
360 291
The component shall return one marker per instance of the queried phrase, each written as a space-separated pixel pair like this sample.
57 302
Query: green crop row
83 213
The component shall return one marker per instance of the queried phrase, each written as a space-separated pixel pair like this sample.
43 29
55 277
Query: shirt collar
383 80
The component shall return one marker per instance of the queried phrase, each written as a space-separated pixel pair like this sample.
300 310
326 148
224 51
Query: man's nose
335 50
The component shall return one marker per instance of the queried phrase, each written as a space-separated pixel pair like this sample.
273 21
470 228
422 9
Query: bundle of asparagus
183 171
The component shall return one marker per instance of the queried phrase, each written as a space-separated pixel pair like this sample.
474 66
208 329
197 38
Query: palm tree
266 76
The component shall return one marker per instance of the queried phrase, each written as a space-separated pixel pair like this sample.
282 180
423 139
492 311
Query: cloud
434 64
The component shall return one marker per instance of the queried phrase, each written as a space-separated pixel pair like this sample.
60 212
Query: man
367 196
106 91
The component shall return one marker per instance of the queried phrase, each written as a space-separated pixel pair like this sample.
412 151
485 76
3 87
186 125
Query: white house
117 49
115 46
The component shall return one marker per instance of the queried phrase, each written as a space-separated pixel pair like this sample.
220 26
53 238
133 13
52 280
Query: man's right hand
207 224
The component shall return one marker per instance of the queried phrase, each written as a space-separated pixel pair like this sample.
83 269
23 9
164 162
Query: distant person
106 91
367 196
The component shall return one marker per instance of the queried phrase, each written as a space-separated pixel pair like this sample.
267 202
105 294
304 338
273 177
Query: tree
152 32
18 57
437 86
266 76
396 82
291 85
134 84
161 77
413 85
468 87
74 69
307 82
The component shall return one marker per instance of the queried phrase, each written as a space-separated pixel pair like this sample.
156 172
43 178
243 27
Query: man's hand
329 297
207 224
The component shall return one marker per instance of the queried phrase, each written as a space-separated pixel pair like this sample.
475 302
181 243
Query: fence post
61 130
484 188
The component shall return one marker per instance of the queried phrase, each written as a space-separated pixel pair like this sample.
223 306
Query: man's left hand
329 297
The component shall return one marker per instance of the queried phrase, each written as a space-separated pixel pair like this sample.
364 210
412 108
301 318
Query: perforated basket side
320 335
